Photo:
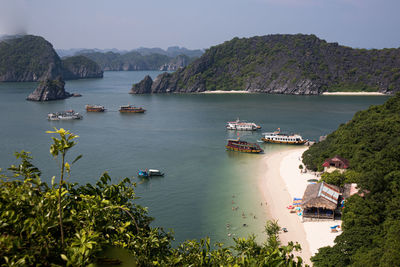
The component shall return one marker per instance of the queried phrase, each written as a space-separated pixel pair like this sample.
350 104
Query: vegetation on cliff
30 58
288 64
78 67
371 224
66 224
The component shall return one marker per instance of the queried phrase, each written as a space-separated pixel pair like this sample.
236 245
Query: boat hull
132 111
256 151
95 110
302 142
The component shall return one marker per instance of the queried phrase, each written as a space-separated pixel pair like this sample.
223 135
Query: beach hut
335 163
320 201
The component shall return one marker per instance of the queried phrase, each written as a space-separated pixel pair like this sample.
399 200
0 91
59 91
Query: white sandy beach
282 182
353 93
225 92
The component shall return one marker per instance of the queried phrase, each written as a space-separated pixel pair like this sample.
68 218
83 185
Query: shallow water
183 135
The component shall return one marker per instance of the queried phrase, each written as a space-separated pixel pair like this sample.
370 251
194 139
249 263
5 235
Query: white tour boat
65 115
242 126
280 138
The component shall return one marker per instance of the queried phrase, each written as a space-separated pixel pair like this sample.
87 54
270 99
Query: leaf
64 257
76 159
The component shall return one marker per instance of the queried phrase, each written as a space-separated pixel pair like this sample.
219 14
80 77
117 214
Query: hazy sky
128 24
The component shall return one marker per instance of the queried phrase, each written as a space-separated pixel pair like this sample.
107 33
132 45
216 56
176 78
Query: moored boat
95 108
280 138
242 126
149 173
64 115
131 109
243 146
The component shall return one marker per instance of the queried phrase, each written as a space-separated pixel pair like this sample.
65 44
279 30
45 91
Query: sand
353 93
283 181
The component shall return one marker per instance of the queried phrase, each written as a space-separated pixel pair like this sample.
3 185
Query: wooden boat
131 109
95 108
243 146
280 138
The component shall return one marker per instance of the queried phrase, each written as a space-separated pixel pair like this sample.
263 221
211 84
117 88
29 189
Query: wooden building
336 163
320 201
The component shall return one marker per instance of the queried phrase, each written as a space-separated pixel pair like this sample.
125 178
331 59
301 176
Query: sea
207 191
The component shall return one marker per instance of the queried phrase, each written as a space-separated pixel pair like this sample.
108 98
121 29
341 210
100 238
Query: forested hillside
285 64
29 58
371 223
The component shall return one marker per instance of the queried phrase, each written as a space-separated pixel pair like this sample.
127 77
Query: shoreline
280 182
225 92
355 93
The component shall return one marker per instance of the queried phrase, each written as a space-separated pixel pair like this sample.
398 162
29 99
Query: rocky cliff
80 67
30 58
283 64
49 89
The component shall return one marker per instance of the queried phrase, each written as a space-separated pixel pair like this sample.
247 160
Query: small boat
95 108
131 109
280 138
64 115
243 146
149 173
242 126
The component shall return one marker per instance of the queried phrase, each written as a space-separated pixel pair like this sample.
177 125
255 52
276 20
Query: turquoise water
183 135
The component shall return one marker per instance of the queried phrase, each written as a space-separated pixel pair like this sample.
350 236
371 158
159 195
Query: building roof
337 161
321 195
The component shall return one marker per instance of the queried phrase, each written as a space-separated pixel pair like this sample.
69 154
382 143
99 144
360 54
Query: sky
129 24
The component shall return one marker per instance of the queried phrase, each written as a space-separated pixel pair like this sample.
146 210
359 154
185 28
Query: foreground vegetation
66 224
371 223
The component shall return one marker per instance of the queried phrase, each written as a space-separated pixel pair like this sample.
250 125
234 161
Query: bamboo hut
320 201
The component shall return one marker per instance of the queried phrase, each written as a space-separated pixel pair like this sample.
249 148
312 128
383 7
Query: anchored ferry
281 138
95 108
242 126
243 146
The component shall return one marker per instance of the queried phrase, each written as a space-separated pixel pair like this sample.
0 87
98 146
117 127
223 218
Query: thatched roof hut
321 195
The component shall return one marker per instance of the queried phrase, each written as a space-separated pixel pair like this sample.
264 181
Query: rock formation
144 87
30 58
284 64
49 89
80 67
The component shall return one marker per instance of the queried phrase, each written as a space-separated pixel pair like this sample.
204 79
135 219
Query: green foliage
95 217
371 143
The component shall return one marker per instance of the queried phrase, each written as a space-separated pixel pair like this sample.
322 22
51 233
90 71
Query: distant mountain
29 58
80 67
283 64
172 51
136 61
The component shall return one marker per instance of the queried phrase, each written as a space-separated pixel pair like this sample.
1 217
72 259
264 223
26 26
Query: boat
64 115
149 173
243 146
131 109
95 108
280 138
242 126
